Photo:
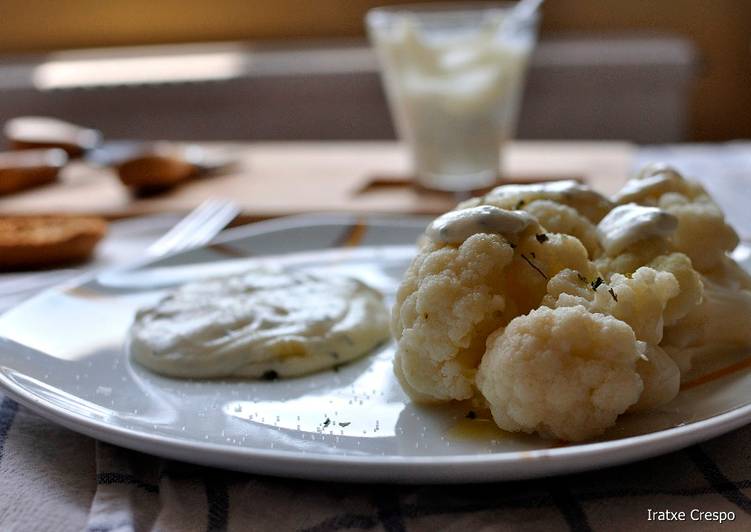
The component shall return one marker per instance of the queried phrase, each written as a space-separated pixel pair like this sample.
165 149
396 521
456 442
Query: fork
199 227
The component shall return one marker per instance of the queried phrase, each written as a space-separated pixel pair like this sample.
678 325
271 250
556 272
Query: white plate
61 355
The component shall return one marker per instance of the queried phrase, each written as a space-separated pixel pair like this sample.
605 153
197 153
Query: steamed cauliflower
639 300
652 182
661 377
586 201
450 300
566 220
650 255
711 313
691 287
635 237
539 257
702 232
561 310
642 302
730 275
554 217
633 257
565 207
565 373
722 322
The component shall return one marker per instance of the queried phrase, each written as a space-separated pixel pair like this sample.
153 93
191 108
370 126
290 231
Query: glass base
457 182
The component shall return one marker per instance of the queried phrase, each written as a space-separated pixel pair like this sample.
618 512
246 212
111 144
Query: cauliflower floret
689 280
633 257
721 323
661 378
729 274
537 258
654 251
564 373
554 217
652 182
586 201
659 372
563 219
690 283
653 254
450 300
571 286
639 300
702 232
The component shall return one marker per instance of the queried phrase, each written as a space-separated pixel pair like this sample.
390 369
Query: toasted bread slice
28 242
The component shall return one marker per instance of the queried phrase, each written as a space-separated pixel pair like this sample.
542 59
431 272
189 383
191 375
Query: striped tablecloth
54 479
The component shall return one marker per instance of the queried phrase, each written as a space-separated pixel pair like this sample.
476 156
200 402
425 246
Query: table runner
54 479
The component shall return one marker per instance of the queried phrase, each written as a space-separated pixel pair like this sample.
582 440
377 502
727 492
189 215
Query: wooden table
276 179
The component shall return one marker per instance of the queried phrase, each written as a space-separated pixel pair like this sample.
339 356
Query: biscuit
20 170
28 242
155 172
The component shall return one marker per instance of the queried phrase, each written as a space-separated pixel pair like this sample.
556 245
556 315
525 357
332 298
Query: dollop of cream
627 224
455 227
261 324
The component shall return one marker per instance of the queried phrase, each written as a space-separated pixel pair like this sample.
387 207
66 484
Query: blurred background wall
720 100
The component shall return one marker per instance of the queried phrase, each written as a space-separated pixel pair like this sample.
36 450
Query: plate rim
400 469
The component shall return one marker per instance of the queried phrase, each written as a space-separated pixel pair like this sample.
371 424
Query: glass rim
379 16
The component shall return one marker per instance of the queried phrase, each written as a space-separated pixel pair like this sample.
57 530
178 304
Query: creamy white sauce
627 224
264 323
455 227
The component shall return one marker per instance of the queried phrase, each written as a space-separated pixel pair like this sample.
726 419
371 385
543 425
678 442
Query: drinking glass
453 75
